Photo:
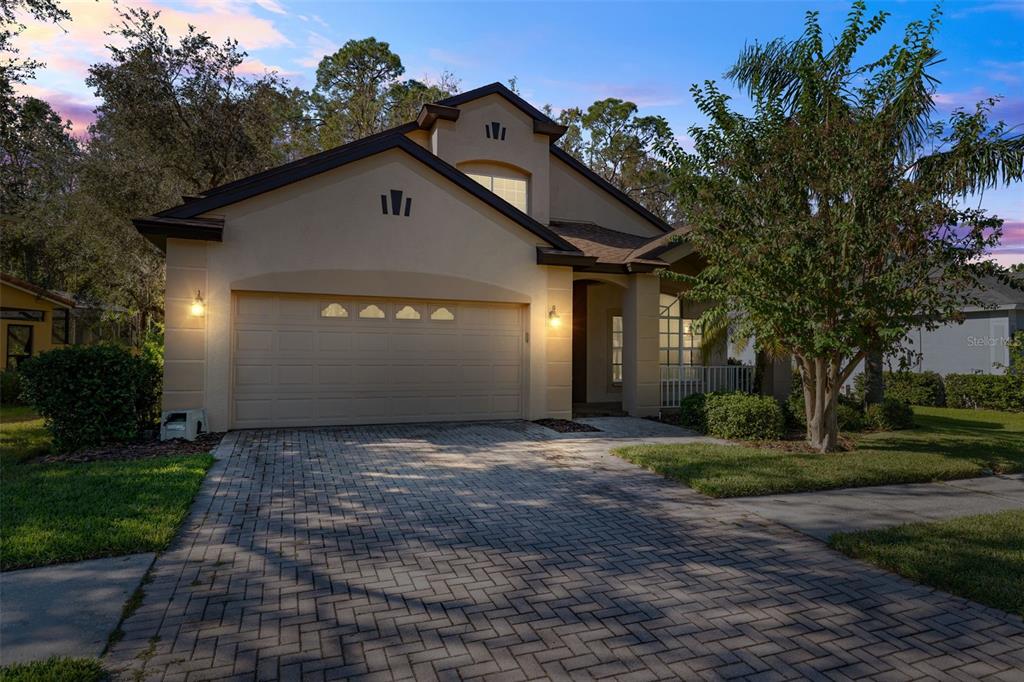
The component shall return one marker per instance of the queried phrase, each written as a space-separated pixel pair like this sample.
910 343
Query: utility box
185 424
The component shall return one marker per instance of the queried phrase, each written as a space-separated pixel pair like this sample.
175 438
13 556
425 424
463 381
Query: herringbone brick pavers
491 551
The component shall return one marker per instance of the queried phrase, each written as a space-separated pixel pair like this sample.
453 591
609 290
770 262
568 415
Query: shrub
10 387
890 415
850 418
985 391
916 388
91 395
743 416
692 412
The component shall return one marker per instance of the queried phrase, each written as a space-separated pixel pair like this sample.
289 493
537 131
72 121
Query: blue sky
563 54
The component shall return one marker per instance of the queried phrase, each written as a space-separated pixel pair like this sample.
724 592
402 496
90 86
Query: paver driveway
492 550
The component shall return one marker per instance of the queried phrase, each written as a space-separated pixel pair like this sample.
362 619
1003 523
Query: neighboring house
33 319
458 267
976 343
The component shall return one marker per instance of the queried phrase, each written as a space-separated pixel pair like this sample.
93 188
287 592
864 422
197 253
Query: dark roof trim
542 123
558 257
300 163
341 156
582 169
158 230
38 291
430 113
581 262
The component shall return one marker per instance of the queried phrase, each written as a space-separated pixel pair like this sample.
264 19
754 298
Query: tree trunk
820 380
874 386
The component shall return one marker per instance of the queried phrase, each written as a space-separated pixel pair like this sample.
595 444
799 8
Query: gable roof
39 292
542 123
181 219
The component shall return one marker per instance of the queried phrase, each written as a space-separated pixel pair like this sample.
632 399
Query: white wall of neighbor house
328 235
976 346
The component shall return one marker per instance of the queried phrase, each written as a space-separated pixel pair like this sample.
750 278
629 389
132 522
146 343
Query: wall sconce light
198 306
553 318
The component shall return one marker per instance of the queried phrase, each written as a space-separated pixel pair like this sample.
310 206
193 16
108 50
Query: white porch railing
678 382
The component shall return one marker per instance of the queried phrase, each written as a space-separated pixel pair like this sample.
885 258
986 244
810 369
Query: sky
562 54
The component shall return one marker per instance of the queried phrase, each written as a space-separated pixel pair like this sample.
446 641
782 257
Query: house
977 342
458 267
33 320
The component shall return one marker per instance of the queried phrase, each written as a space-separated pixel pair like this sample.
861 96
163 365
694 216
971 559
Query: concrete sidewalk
65 610
823 513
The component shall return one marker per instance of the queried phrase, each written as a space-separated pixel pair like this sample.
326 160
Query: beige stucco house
458 267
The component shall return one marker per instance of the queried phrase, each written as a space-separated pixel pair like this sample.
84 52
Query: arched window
507 183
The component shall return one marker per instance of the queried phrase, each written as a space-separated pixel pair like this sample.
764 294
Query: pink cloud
68 50
68 106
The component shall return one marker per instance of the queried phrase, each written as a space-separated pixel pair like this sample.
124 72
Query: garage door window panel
442 314
372 312
336 310
407 312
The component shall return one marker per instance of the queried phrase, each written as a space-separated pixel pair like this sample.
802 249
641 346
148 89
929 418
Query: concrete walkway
821 514
65 610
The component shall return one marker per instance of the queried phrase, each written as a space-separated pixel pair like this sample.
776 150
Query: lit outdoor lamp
553 318
198 306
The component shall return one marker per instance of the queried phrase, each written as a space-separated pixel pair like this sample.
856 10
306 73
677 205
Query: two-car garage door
321 360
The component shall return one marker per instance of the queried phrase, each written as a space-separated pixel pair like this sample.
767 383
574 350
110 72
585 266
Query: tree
622 147
13 69
175 118
358 92
831 217
1017 267
38 162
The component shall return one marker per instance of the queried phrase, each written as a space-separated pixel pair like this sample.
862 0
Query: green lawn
977 557
947 444
55 670
55 513
22 435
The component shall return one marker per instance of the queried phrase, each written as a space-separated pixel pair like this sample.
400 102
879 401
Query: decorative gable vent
495 131
396 203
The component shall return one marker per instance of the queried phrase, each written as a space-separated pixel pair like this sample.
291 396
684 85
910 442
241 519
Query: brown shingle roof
607 245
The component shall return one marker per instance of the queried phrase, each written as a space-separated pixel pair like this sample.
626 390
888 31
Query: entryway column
640 371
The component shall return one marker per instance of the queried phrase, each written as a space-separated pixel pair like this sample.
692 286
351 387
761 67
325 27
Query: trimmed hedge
692 413
743 416
10 387
986 391
91 395
914 388
890 415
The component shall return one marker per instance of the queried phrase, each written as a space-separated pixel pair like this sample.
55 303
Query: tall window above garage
512 190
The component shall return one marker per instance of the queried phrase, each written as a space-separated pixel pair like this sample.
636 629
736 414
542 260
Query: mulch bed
565 425
204 442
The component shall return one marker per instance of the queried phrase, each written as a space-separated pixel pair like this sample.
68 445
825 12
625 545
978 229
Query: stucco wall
574 197
184 334
327 234
465 140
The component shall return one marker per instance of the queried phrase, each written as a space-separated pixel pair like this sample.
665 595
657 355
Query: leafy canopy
831 216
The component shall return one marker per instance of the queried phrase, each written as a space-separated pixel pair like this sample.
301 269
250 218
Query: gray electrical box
182 424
